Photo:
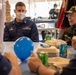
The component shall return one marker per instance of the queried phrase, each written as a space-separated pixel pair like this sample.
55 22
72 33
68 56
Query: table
8 46
45 26
44 20
24 67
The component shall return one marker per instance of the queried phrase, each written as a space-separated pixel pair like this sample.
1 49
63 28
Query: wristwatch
37 68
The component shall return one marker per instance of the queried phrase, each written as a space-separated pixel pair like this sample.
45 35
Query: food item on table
55 42
51 42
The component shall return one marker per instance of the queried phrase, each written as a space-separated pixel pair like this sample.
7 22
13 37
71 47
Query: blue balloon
23 47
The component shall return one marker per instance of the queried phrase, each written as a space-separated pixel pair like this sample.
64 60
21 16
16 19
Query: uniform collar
14 21
74 25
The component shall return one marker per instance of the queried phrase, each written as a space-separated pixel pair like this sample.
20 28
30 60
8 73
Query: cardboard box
52 51
57 63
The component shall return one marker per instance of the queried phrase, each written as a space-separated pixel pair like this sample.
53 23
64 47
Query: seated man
21 26
71 31
9 65
36 66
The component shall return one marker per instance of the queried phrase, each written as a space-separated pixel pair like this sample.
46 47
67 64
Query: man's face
20 13
72 18
20 9
55 7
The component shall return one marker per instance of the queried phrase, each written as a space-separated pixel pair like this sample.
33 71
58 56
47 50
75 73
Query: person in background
37 67
71 31
54 12
9 64
20 26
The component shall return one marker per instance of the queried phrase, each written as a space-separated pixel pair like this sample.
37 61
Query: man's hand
74 44
33 62
13 60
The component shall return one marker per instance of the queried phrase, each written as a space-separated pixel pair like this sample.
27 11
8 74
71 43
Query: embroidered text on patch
11 29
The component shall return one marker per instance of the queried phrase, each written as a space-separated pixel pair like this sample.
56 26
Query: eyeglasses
69 15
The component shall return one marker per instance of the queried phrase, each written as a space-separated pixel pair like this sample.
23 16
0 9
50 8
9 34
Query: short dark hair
19 4
55 5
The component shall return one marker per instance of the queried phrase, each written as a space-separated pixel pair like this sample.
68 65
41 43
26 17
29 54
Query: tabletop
8 46
45 26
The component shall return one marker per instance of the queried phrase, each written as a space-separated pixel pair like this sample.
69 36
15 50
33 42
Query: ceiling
26 1
15 1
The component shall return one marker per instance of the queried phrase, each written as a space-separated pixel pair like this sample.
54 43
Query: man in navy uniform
21 26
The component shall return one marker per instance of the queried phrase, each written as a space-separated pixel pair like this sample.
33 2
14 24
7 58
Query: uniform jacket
68 34
5 65
13 30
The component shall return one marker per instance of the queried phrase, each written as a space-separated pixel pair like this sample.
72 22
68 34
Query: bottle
48 36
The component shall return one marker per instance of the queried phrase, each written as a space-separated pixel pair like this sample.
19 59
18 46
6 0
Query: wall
36 8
